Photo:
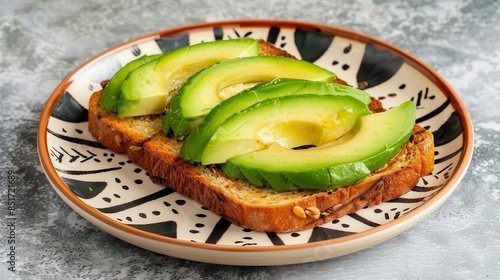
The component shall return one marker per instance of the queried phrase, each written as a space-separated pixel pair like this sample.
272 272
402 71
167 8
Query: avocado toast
247 204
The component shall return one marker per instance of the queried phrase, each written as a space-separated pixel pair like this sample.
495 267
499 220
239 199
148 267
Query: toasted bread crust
267 49
261 209
211 187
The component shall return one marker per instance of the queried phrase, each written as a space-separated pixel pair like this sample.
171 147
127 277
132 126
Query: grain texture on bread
118 134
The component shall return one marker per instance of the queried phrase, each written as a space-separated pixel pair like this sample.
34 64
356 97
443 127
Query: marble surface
43 41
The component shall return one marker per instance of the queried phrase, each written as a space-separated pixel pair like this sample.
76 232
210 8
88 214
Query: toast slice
244 204
261 209
126 135
264 209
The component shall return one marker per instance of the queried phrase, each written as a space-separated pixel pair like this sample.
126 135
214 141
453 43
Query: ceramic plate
118 197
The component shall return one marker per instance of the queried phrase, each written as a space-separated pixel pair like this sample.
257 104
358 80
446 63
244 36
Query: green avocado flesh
288 122
146 89
374 140
112 91
195 142
207 88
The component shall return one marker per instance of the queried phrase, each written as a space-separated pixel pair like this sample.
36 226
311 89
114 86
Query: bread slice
126 135
258 208
264 209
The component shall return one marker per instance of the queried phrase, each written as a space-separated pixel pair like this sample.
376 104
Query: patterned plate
118 197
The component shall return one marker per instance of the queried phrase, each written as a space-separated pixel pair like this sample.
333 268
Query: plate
117 196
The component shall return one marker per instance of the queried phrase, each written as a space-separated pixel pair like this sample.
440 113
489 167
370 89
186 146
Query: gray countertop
43 41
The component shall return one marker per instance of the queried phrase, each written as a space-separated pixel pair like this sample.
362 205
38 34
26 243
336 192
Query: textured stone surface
43 41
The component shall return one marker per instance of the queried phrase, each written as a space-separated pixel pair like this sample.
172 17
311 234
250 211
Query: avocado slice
196 141
375 139
112 91
209 87
288 122
146 89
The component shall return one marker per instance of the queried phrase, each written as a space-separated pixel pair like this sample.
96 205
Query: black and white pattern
122 191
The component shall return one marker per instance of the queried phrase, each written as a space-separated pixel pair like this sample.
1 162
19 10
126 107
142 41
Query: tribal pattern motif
119 189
